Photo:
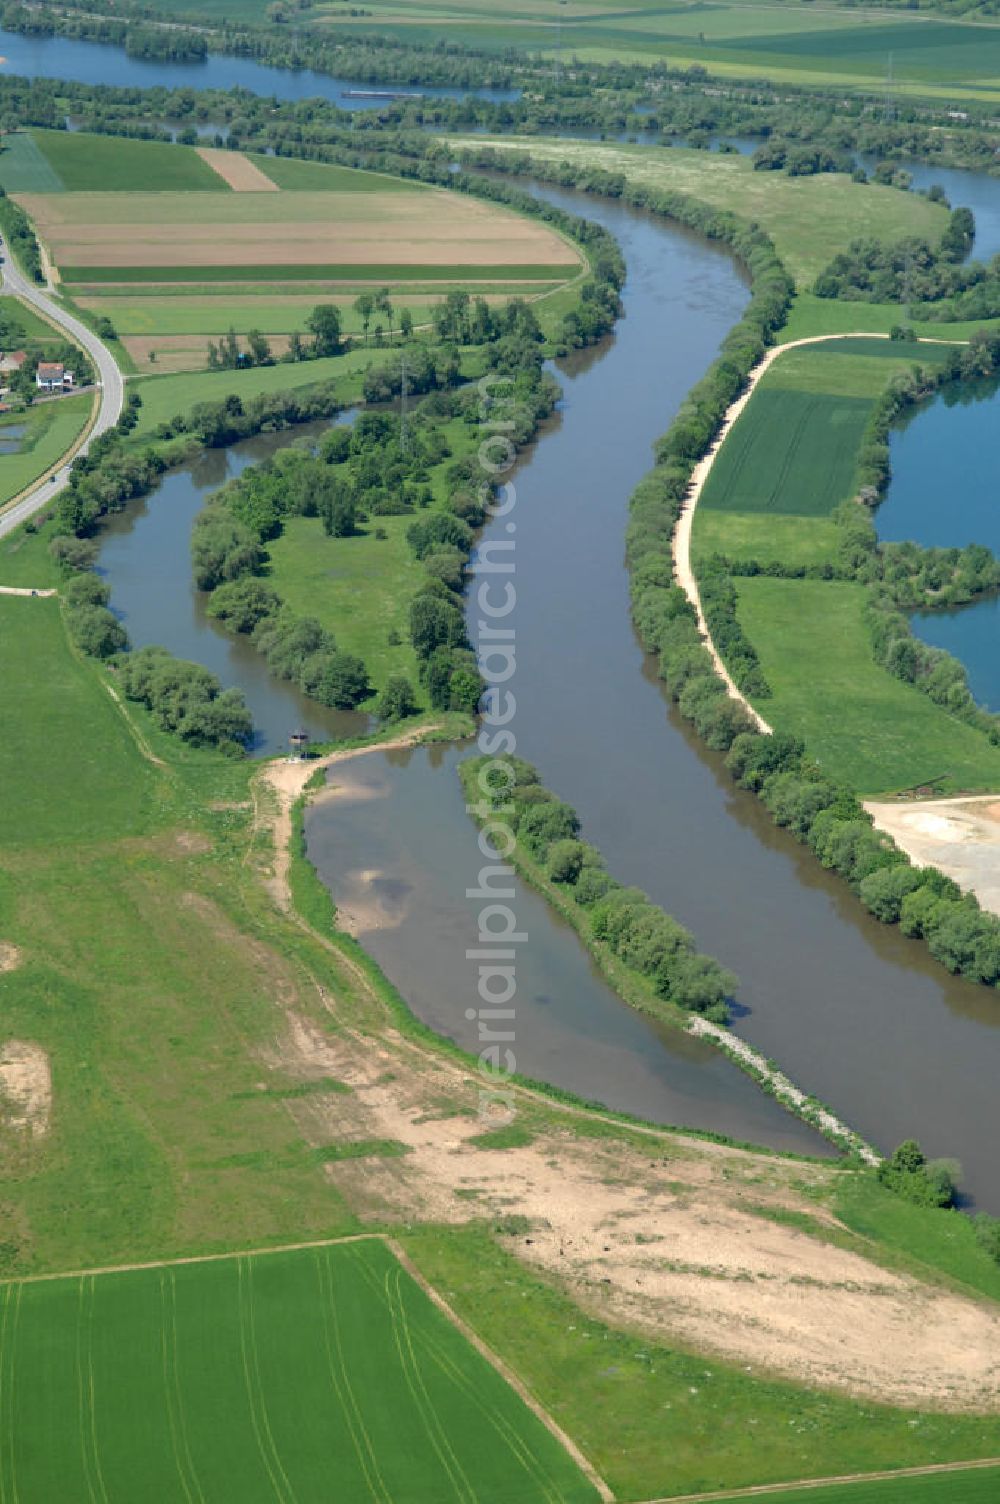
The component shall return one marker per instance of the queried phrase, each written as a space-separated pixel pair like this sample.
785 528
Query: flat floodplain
324 1372
742 38
809 218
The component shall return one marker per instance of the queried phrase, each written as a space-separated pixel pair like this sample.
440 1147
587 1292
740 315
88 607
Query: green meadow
359 587
275 1374
864 726
49 430
808 218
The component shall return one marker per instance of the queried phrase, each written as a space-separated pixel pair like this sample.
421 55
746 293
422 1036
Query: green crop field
76 162
296 176
794 449
809 219
739 38
50 429
24 167
293 1376
865 727
791 452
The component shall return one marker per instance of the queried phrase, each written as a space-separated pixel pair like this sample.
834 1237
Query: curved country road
110 385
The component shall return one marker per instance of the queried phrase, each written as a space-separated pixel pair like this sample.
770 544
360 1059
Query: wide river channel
854 1012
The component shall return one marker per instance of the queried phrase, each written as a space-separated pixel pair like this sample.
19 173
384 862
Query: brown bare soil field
181 352
242 175
171 229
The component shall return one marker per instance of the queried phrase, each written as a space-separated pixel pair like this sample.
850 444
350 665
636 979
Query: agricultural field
794 450
865 727
44 161
809 219
741 38
788 462
279 1372
365 236
170 241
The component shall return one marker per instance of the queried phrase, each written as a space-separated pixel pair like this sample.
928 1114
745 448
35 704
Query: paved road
109 384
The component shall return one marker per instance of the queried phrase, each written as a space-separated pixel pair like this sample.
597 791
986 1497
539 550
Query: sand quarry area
959 836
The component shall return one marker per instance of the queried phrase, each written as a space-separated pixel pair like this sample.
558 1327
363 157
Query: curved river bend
854 1012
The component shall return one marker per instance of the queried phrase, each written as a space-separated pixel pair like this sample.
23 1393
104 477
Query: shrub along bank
820 812
655 951
429 471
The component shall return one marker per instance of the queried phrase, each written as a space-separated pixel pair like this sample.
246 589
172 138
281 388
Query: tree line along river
853 1011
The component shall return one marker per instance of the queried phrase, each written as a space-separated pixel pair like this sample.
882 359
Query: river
145 555
100 63
856 1013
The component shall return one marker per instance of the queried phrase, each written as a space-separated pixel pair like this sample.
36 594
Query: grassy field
50 428
33 326
765 536
741 38
359 587
865 727
278 1373
811 315
658 1421
810 219
43 161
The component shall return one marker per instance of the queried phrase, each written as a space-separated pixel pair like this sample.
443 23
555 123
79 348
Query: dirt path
24 590
767 1489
